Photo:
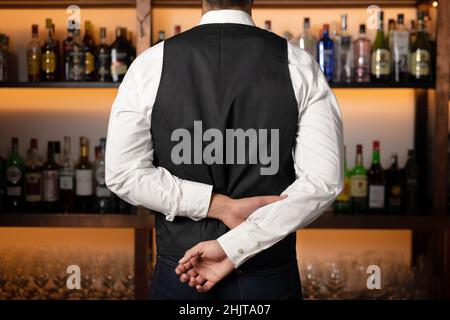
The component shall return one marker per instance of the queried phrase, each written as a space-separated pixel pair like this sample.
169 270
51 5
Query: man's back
225 115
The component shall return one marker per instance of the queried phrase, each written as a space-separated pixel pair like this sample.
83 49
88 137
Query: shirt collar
227 16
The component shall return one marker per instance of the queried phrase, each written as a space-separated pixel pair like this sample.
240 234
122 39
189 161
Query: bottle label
83 182
33 183
33 64
89 61
48 62
345 194
13 191
381 62
102 192
66 182
13 174
50 185
358 186
395 198
420 63
376 196
118 65
76 69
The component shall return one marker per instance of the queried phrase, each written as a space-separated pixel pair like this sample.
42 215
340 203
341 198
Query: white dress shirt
318 154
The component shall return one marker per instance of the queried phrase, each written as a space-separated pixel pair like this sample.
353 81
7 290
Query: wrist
220 205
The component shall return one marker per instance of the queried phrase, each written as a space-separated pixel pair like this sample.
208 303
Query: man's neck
206 8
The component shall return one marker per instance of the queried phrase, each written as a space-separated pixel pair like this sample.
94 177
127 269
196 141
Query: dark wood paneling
439 111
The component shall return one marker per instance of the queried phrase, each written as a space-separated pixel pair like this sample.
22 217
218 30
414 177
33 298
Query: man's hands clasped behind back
204 265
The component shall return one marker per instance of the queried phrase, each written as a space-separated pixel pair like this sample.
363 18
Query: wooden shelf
137 221
146 221
59 84
299 3
383 222
62 84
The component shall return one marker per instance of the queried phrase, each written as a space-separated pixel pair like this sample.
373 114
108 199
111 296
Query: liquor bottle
88 48
67 49
400 50
131 47
391 29
15 167
50 181
268 25
177 29
326 53
119 56
33 179
361 56
376 197
34 55
394 186
67 179
48 54
83 179
103 59
58 71
413 31
411 184
4 59
358 183
381 57
102 193
58 153
76 63
421 53
344 53
342 203
161 36
307 40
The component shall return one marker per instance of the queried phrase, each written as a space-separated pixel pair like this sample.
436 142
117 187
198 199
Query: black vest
229 76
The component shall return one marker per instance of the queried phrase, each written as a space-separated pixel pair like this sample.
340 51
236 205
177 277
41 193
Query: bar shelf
59 84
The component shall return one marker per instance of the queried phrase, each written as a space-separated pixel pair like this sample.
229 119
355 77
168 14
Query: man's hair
224 4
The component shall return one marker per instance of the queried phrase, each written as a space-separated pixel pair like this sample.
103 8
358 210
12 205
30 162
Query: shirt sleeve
318 159
130 172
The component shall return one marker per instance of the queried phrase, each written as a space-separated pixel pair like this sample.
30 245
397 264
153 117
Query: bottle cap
359 148
48 23
33 144
400 18
102 32
376 145
362 28
177 29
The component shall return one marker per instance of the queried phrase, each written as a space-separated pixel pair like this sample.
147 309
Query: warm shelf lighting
435 4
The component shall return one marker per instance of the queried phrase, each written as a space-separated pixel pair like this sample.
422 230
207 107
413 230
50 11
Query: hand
233 212
204 266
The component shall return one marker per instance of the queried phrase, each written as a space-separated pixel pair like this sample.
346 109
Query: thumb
191 253
265 200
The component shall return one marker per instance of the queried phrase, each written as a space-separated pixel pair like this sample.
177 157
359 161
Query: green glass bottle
381 56
358 184
420 66
15 169
342 203
48 54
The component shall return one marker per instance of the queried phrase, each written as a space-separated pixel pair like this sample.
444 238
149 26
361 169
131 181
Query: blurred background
60 69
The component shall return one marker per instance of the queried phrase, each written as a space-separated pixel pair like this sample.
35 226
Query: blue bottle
325 52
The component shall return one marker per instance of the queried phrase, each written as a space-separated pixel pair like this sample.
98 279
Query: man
234 138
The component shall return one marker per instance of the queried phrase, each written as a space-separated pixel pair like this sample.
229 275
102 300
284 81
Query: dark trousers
282 283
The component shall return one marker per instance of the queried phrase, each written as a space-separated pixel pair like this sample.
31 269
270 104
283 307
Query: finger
191 253
200 280
183 268
185 277
192 282
192 273
205 287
